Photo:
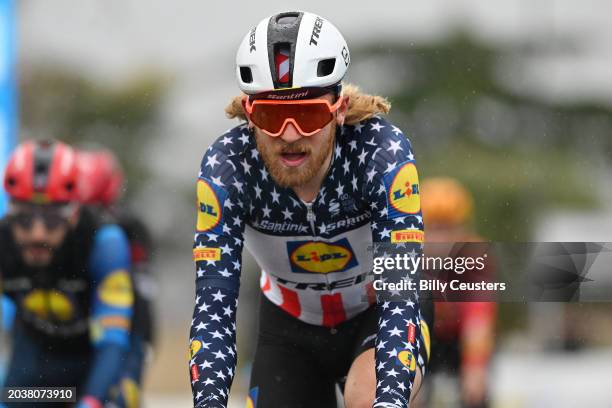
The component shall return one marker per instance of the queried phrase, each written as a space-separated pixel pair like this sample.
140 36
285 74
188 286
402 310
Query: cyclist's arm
217 253
398 217
112 299
8 311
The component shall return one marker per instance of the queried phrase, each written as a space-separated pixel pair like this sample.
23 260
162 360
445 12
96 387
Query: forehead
25 206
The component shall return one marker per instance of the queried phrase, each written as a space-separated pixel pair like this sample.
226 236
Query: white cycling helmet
294 49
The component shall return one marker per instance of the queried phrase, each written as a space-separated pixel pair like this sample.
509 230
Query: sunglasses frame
20 212
249 107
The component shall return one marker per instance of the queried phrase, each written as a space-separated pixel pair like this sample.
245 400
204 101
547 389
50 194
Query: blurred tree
518 153
59 104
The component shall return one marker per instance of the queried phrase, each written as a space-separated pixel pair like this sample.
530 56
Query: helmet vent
326 67
287 18
246 75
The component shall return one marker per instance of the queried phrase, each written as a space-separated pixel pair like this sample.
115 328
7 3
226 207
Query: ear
243 101
342 110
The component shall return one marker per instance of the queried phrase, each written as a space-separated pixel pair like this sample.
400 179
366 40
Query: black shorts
298 364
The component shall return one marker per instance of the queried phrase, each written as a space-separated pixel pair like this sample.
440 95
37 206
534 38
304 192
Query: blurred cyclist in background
101 183
67 273
463 331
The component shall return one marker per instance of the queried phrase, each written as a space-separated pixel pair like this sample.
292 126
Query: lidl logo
407 359
116 289
209 206
404 195
206 254
196 347
321 257
407 235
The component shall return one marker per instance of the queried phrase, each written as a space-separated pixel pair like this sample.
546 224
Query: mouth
37 248
293 159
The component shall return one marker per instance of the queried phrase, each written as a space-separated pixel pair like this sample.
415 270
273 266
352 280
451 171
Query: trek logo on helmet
252 40
316 30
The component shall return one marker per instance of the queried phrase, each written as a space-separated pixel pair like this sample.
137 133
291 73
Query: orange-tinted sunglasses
307 115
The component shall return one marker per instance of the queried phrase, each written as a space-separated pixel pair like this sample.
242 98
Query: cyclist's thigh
286 378
287 371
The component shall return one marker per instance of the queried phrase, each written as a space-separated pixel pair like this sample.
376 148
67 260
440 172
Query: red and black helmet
42 172
100 177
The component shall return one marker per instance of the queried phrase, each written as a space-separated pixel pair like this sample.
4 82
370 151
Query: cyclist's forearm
213 346
107 361
396 351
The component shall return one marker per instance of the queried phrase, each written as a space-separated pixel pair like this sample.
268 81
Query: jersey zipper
311 218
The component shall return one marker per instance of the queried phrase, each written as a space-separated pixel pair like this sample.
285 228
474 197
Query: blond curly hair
361 106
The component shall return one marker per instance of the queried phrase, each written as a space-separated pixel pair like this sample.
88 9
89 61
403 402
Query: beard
287 176
37 254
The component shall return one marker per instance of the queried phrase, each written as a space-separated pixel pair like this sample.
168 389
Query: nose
38 231
290 134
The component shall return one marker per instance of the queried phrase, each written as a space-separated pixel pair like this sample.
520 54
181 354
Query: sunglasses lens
309 117
52 217
24 220
53 221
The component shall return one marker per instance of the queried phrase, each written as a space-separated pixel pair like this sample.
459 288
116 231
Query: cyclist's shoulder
235 142
109 237
226 155
376 131
379 141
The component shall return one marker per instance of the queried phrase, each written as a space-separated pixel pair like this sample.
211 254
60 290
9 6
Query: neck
308 191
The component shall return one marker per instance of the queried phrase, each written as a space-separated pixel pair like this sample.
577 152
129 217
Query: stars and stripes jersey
315 258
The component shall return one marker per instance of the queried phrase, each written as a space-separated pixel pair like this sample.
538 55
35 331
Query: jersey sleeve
112 308
7 312
217 253
391 187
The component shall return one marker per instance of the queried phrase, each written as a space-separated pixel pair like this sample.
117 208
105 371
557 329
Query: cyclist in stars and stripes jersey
311 180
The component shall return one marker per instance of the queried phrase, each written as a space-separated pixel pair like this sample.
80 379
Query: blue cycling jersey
315 258
81 302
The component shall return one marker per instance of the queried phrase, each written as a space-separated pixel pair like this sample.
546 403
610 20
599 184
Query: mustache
293 148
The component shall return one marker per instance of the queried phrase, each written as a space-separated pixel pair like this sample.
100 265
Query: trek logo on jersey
321 257
411 332
407 359
206 254
403 187
210 206
407 235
